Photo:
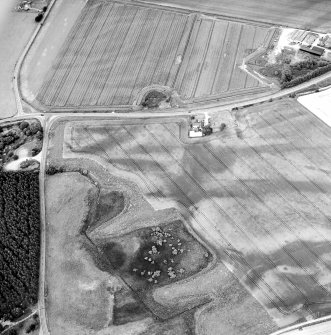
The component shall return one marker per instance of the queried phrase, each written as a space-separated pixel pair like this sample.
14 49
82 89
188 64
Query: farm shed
314 50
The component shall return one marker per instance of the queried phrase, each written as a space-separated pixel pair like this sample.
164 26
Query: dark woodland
19 242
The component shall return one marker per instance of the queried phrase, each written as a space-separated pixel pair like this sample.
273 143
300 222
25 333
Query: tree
23 125
207 130
39 17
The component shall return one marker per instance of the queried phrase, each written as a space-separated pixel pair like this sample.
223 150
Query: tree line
19 242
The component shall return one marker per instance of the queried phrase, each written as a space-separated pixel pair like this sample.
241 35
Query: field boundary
169 7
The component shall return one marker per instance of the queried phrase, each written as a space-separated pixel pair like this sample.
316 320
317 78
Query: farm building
318 51
194 133
196 130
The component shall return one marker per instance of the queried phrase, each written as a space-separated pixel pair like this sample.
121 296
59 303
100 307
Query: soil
110 204
127 308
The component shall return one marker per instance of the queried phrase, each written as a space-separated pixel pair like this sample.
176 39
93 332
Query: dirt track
312 14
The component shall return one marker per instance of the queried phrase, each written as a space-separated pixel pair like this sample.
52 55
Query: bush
39 17
322 63
8 140
153 99
299 80
39 135
207 130
31 328
35 128
23 125
54 169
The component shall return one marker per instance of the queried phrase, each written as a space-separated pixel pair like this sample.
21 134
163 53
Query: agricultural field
304 14
215 52
256 195
114 51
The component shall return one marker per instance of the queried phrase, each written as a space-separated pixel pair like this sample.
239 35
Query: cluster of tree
53 169
15 135
19 242
154 98
40 15
299 80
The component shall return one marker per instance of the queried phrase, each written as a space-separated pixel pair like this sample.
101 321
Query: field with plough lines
215 51
114 51
261 201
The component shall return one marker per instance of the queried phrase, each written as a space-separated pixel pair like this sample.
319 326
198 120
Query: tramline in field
114 51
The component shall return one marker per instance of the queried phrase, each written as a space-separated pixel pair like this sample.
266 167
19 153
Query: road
321 326
42 268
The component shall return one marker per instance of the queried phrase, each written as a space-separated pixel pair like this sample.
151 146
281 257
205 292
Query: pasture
114 51
259 196
305 14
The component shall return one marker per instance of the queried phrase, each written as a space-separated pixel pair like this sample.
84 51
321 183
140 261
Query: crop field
214 53
296 13
261 200
114 51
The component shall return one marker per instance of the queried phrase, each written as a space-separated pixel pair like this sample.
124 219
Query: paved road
321 326
42 269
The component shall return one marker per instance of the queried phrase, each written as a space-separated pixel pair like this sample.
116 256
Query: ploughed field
115 50
260 195
295 13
